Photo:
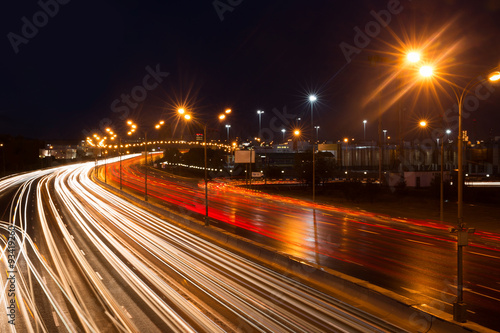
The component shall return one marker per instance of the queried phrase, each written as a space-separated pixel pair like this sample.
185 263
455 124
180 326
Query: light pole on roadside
283 132
459 306
317 134
260 112
221 117
227 128
364 130
312 99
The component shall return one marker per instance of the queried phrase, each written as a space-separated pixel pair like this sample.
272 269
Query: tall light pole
260 112
312 99
227 128
459 307
317 134
221 117
364 130
283 132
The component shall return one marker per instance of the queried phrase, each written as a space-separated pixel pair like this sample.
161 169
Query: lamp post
459 307
317 135
260 112
312 99
221 117
364 130
227 128
283 132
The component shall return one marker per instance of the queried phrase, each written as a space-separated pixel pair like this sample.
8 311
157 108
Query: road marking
411 291
371 232
475 292
484 255
419 242
498 291
56 322
100 277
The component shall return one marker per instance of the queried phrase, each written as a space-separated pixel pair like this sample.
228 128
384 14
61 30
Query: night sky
66 79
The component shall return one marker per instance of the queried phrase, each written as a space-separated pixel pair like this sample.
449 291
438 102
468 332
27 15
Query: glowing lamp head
157 126
187 116
413 57
129 122
346 140
448 131
426 71
423 123
312 98
228 111
222 117
296 132
495 76
181 111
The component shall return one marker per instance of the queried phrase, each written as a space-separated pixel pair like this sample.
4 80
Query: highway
413 258
89 261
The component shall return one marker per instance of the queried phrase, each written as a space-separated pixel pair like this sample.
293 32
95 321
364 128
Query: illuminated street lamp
222 116
413 57
459 307
283 132
364 130
260 112
317 134
312 99
227 128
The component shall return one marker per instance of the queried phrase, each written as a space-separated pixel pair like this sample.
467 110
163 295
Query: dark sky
63 80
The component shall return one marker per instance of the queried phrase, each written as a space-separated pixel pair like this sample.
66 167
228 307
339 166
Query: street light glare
448 131
222 116
495 76
413 57
364 121
228 111
181 111
426 71
423 123
312 98
187 116
296 132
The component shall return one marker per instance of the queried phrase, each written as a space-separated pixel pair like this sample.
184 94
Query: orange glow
346 140
423 123
296 132
413 56
222 117
495 76
181 111
228 111
426 71
187 116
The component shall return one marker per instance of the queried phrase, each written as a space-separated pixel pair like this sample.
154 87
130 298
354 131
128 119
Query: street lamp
317 135
364 130
459 307
260 112
221 116
312 99
227 128
283 131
